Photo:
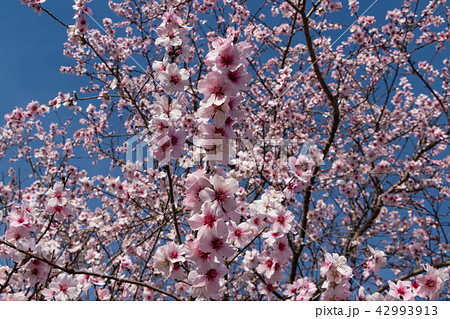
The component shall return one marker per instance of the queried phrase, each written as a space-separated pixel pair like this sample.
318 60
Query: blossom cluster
337 273
266 154
34 4
76 32
167 111
172 34
428 286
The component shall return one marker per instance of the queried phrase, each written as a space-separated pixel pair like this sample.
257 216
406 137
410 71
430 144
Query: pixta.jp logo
219 150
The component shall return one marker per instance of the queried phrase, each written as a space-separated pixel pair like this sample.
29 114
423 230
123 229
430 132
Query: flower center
209 220
175 79
233 76
401 291
430 283
220 196
211 274
226 60
63 287
217 243
281 220
174 254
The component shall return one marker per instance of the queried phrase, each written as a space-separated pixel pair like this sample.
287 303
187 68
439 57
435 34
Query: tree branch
83 272
413 273
334 128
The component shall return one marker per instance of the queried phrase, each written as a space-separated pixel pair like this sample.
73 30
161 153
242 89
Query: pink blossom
217 247
174 79
267 289
36 271
335 268
167 109
86 281
207 283
60 212
19 217
64 287
266 267
208 223
17 233
336 292
215 88
432 283
103 294
401 290
126 264
169 146
34 4
209 111
282 221
57 196
240 234
170 35
195 183
166 256
220 194
301 290
378 258
193 253
225 56
160 125
238 79
251 259
301 167
272 237
282 251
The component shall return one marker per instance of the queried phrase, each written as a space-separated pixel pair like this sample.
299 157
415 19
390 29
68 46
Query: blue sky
32 53
32 50
29 59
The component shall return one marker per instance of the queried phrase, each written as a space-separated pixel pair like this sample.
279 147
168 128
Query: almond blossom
401 290
221 194
173 79
63 288
167 256
432 283
208 224
232 150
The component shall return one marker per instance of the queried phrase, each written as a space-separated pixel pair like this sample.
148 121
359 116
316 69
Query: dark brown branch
413 273
172 202
430 89
334 128
291 35
55 18
11 273
83 272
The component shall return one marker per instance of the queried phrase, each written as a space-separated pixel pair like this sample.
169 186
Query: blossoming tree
297 151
